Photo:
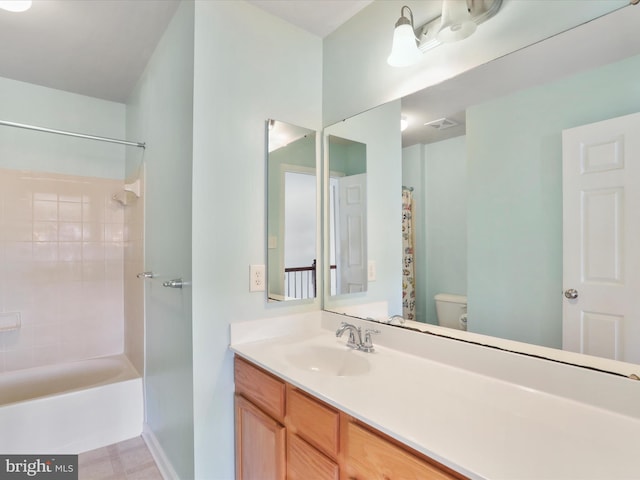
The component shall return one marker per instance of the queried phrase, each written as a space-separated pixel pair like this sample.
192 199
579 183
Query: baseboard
163 463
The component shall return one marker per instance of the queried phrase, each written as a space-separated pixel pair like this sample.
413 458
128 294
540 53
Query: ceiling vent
441 123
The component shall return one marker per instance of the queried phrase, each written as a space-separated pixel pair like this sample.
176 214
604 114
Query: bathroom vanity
421 406
283 432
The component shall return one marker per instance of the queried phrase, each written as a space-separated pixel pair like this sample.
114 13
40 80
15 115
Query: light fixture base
480 11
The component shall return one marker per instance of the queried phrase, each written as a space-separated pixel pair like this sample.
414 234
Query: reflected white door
352 230
601 239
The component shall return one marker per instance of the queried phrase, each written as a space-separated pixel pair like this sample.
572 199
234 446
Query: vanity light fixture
15 5
404 49
458 20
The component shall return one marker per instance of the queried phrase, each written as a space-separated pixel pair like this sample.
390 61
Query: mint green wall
21 149
515 198
160 112
446 209
301 153
348 159
378 130
274 70
437 172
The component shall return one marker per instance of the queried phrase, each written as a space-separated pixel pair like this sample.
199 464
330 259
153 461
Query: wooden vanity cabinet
259 424
260 443
313 438
305 462
283 432
370 455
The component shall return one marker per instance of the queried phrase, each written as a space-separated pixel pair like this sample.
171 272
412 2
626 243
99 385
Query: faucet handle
367 344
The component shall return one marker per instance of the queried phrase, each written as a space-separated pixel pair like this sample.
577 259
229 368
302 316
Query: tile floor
128 460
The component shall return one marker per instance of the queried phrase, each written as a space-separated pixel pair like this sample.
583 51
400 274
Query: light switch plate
371 271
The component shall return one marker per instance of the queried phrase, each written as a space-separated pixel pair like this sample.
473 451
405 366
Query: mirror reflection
371 143
291 212
482 161
347 215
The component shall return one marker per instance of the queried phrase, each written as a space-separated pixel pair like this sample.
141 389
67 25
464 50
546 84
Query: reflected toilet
451 310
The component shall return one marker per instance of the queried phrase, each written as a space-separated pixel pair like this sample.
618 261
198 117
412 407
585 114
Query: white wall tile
66 280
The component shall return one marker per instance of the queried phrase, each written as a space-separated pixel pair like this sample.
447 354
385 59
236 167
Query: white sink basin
335 361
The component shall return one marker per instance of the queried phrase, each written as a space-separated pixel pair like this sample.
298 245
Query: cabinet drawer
369 456
262 388
305 462
314 421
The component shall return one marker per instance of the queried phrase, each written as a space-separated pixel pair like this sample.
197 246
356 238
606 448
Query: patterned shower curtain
408 275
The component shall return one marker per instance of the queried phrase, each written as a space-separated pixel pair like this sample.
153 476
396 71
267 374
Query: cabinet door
260 444
306 463
369 456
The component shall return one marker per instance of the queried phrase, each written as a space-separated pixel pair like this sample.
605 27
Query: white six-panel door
601 239
352 213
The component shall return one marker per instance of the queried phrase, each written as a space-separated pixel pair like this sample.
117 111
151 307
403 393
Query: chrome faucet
355 334
396 320
355 337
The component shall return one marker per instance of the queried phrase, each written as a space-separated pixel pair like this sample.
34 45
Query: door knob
571 293
145 275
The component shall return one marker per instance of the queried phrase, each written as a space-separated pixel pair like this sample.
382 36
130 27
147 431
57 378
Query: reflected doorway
299 234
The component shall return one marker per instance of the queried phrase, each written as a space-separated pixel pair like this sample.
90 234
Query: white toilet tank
449 309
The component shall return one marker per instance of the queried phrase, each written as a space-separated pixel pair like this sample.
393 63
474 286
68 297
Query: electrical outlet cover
257 280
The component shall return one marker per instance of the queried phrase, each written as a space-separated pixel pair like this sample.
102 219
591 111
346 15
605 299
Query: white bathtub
70 408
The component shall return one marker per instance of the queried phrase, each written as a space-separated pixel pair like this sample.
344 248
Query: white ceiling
100 48
94 47
320 17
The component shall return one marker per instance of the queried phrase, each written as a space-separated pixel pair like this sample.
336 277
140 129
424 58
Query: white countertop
477 424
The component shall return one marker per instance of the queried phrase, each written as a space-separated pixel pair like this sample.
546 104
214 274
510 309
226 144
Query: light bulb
404 51
15 5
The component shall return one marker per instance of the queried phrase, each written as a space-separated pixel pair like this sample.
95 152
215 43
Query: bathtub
70 408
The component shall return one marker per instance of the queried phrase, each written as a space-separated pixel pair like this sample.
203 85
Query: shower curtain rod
72 134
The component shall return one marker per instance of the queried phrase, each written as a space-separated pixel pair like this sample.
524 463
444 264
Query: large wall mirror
291 212
468 200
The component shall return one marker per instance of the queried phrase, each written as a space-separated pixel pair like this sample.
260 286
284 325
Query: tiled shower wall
61 268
